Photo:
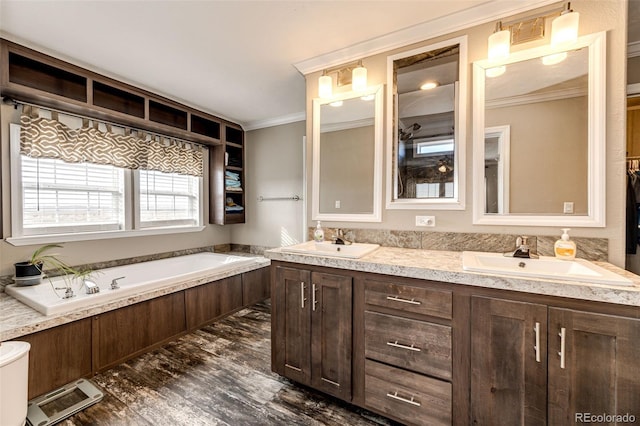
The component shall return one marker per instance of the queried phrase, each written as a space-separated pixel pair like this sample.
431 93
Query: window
429 147
168 199
50 197
434 190
59 197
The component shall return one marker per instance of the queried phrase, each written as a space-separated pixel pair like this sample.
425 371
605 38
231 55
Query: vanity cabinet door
291 324
508 363
594 365
311 329
331 335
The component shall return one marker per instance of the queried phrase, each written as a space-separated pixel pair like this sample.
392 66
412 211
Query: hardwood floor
218 375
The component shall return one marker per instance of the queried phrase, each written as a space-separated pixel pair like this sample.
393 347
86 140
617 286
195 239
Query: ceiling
230 58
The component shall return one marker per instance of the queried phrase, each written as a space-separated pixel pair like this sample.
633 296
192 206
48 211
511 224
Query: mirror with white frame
427 109
539 137
347 157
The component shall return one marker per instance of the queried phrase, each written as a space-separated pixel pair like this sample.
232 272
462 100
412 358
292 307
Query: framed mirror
347 157
426 137
539 137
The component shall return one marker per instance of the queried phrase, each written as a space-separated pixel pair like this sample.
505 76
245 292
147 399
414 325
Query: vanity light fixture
564 32
354 73
429 85
499 45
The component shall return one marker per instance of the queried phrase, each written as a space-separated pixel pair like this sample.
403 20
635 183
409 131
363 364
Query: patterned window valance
49 138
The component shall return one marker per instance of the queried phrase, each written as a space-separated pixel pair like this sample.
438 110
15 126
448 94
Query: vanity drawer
415 345
418 300
410 397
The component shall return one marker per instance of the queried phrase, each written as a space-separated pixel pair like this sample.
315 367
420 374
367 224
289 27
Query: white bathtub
138 278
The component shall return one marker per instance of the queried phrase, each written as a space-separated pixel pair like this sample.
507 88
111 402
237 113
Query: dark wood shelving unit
36 78
231 156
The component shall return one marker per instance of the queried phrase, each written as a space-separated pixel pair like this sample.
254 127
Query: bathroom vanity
409 334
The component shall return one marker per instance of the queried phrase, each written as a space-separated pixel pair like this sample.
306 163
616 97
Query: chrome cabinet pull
562 334
405 400
537 345
401 346
302 298
400 299
313 297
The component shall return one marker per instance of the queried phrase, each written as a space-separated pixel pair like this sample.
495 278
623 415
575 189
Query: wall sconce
354 74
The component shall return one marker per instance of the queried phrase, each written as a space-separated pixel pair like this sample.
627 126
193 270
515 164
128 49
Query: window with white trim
52 197
168 199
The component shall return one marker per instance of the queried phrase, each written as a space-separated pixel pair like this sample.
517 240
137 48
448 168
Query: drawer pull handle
405 400
400 299
401 346
313 297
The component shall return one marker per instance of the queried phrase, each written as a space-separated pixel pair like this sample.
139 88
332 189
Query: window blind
168 199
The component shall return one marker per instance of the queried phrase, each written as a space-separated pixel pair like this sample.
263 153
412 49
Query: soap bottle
318 234
565 248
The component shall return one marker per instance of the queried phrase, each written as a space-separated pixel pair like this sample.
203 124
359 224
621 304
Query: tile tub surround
588 248
17 319
220 248
446 266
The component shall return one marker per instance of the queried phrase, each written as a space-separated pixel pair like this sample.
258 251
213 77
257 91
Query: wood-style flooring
218 375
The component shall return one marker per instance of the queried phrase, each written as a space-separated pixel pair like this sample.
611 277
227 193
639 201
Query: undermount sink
327 248
544 267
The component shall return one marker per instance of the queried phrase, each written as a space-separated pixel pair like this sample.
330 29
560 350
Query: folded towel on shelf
232 175
233 189
234 183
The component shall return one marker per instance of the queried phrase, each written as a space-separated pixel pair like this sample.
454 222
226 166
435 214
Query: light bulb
499 44
495 71
429 85
359 78
556 58
564 28
325 86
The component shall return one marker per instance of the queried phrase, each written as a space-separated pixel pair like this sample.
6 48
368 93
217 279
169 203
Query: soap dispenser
318 234
565 248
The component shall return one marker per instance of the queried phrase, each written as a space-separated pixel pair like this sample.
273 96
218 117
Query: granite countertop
446 266
18 319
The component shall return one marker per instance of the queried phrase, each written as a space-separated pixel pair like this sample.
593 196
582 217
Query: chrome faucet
114 283
339 238
92 288
522 249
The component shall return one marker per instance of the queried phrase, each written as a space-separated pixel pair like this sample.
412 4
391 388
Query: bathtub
134 279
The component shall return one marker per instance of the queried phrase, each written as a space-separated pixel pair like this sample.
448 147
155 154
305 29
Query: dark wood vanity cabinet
311 328
534 364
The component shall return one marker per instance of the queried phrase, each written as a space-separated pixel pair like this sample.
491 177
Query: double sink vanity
441 337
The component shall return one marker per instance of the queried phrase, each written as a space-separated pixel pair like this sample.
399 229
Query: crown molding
275 121
487 12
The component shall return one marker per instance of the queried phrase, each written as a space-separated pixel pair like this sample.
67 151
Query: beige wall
595 16
548 163
274 168
345 172
77 253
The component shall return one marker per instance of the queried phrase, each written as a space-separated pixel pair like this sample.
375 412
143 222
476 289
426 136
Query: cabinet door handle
400 299
313 296
302 298
537 345
405 400
401 346
562 334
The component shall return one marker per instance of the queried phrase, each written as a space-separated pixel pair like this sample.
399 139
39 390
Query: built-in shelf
33 77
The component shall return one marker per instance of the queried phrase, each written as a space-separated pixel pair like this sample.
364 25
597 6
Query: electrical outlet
337 204
425 221
568 207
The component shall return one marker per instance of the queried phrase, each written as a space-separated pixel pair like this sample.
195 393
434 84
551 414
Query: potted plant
30 272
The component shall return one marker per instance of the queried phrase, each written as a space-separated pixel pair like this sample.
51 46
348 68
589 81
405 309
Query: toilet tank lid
11 351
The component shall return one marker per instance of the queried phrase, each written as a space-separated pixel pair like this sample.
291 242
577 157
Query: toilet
14 368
